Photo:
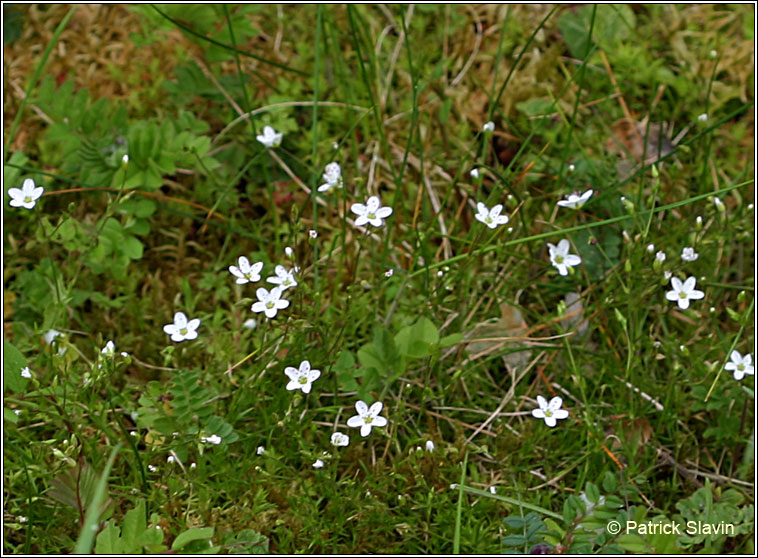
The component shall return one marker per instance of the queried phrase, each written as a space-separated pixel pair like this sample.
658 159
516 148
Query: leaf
13 362
418 340
494 336
633 543
190 535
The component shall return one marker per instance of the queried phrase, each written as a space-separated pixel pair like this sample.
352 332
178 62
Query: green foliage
13 363
133 537
397 95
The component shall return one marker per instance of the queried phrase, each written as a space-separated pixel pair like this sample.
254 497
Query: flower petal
361 408
355 422
482 209
538 413
365 430
563 246
384 212
379 421
375 409
373 204
358 209
262 294
193 323
180 320
673 296
561 414
542 402
689 284
555 403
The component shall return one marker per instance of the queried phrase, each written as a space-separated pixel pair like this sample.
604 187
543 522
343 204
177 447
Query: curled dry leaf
505 334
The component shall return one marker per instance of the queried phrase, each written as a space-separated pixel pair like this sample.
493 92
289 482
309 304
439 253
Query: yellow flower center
183 331
559 259
372 215
269 305
741 367
28 199
682 295
548 413
303 380
368 420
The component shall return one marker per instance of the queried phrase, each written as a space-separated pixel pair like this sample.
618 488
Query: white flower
312 233
560 257
125 159
22 519
332 177
340 439
193 465
684 292
651 248
429 445
182 328
109 350
474 173
667 275
660 256
367 418
720 207
27 196
493 490
270 137
17 412
490 217
246 273
250 323
302 378
215 439
51 335
372 212
389 273
269 302
575 201
713 54
284 278
703 117
571 168
152 468
288 251
25 372
489 127
740 365
170 459
689 254
551 411
260 450
318 464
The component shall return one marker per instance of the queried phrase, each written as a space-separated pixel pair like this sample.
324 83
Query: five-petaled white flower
284 278
270 137
215 439
684 292
340 439
51 335
332 177
575 201
689 254
25 372
429 445
372 212
489 127
302 378
27 196
367 417
474 173
269 302
318 464
109 350
740 365
261 450
551 411
244 272
182 328
491 217
560 257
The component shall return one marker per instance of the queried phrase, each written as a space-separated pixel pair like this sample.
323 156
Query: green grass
457 342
